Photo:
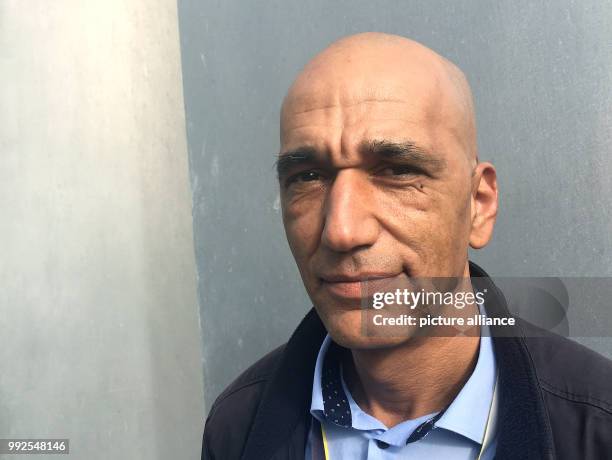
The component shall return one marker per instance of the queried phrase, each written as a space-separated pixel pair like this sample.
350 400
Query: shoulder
575 387
231 415
255 375
571 372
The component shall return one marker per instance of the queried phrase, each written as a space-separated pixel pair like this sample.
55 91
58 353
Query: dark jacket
555 398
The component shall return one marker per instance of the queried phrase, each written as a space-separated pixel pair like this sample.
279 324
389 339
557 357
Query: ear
483 204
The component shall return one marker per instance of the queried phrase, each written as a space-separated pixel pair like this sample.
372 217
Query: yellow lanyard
325 445
486 439
490 427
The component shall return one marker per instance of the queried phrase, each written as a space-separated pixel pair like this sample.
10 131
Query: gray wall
98 295
541 73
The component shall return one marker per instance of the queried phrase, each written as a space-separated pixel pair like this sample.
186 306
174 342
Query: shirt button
381 444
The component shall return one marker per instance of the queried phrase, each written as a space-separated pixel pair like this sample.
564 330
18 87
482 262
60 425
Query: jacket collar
281 423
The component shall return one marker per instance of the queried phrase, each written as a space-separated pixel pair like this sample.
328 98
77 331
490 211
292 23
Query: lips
356 287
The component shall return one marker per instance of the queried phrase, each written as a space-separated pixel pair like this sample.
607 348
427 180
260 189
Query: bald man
381 185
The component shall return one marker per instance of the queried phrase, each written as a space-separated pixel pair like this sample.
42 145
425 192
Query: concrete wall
541 73
98 304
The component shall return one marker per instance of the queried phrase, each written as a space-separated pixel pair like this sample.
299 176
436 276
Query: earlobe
483 205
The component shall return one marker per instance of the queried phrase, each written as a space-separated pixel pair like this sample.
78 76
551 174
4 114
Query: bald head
370 67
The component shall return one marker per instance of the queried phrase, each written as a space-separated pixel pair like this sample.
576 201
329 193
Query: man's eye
305 176
397 171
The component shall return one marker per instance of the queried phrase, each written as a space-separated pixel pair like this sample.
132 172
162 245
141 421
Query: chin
346 328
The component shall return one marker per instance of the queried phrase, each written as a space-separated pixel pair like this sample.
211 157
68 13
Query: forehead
343 110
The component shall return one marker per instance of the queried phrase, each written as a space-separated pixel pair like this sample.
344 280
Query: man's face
375 183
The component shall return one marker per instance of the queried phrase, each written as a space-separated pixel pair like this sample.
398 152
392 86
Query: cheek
428 223
452 229
409 216
303 225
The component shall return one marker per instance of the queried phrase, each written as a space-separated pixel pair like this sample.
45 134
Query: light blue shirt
458 434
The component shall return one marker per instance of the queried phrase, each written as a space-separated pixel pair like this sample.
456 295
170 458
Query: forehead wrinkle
347 105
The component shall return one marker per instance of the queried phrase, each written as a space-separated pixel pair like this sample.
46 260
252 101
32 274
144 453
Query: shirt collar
467 415
317 406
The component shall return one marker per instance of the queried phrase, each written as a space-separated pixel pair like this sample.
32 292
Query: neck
418 377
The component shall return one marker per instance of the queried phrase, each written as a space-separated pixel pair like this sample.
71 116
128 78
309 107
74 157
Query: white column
99 326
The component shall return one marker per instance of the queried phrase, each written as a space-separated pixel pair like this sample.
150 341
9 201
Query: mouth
356 287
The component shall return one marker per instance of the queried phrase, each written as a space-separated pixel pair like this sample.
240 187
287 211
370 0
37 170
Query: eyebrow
288 160
406 152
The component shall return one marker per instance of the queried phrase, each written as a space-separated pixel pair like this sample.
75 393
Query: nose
349 219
